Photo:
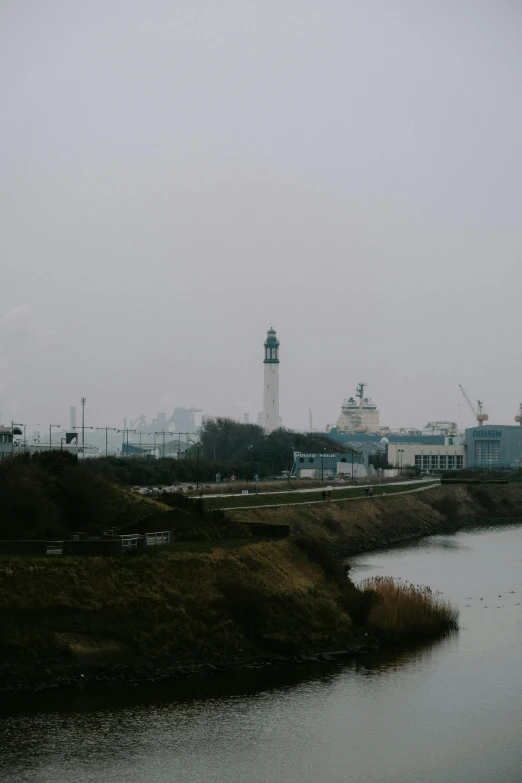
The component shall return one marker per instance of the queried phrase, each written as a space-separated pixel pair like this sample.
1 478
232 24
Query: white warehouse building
448 456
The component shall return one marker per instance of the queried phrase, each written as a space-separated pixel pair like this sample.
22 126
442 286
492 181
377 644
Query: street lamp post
107 437
352 463
50 434
249 448
83 401
198 444
290 463
123 439
322 466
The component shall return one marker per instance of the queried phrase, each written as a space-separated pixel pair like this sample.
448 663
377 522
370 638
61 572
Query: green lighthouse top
271 347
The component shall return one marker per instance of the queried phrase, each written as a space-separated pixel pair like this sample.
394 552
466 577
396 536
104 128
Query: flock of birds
485 606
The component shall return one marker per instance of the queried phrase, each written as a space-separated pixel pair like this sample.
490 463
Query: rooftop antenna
360 391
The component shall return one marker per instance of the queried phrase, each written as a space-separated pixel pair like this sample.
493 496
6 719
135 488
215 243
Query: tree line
226 447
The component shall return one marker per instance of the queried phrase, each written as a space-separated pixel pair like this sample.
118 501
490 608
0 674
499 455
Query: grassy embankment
50 496
270 596
370 523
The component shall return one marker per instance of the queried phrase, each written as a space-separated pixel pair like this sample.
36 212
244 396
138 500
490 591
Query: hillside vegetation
370 523
51 495
274 596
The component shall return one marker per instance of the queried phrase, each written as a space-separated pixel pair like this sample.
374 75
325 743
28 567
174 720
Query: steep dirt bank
369 523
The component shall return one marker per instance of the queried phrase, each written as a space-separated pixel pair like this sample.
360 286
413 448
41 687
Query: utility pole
50 435
123 439
290 462
322 466
107 437
83 401
248 462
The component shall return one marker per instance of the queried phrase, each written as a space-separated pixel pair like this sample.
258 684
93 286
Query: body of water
447 713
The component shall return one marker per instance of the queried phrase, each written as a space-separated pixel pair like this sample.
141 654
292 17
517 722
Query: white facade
271 420
359 414
427 457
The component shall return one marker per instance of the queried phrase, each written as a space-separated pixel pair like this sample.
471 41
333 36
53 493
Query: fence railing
79 544
157 539
54 547
130 542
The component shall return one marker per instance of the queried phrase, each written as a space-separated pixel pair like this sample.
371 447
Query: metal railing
156 539
130 542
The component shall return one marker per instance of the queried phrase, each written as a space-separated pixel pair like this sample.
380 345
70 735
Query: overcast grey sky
177 176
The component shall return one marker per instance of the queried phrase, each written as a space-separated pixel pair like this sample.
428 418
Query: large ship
359 414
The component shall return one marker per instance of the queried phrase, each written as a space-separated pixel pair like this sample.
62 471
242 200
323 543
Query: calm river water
450 713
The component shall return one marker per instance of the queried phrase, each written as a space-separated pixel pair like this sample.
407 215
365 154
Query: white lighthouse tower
271 387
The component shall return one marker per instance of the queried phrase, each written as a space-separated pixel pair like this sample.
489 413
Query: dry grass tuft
403 611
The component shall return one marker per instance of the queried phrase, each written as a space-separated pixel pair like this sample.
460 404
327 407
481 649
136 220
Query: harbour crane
518 417
480 414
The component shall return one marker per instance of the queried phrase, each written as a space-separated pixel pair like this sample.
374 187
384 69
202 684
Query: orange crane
518 417
480 414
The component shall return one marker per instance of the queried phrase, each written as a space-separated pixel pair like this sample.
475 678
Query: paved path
327 486
334 500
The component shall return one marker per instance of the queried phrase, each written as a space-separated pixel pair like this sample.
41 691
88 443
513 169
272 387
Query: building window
487 451
434 462
418 461
460 461
443 462
310 459
425 462
451 462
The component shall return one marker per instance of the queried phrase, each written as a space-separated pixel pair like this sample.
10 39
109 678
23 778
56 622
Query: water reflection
381 662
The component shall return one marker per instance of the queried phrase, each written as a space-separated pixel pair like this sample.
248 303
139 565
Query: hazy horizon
179 177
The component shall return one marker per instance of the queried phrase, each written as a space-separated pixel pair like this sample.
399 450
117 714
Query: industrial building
494 446
6 442
432 457
326 464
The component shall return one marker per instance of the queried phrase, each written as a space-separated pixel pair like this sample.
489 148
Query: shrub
403 611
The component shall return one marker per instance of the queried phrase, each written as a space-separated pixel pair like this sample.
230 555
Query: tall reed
402 611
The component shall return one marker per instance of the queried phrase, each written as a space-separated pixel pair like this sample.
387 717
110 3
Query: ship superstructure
359 414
